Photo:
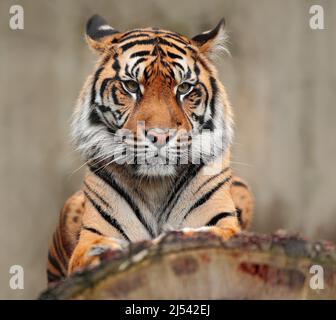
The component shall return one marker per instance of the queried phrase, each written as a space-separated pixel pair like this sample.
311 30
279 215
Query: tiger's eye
131 85
184 88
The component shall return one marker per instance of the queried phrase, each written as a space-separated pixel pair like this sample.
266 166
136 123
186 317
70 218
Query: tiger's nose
159 137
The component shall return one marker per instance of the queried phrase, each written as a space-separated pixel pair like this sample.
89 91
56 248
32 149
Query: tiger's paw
95 255
223 233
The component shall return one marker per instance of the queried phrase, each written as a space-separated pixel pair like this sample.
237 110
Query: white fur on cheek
87 137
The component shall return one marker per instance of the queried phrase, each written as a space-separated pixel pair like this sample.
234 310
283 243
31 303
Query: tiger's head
154 102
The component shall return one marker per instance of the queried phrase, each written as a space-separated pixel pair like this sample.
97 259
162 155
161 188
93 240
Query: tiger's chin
156 170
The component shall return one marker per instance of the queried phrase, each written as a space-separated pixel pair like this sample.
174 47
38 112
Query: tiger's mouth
161 147
158 149
163 155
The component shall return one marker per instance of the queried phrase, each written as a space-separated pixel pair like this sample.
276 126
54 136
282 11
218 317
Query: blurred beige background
281 79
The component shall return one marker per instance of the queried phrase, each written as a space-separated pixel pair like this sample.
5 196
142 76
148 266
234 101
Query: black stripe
168 68
102 108
98 196
140 54
103 85
204 64
116 64
206 101
152 41
55 264
207 196
173 55
197 118
93 230
212 178
188 75
220 216
208 125
196 69
114 223
173 45
136 73
126 71
94 117
137 63
176 38
133 36
197 102
57 249
130 45
214 88
53 277
102 117
239 184
114 96
112 183
150 33
137 31
181 184
239 215
197 93
95 79
178 65
161 52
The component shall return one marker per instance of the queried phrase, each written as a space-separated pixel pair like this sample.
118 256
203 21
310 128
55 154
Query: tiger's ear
212 42
99 34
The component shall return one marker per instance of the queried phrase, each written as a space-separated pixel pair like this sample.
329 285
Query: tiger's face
154 102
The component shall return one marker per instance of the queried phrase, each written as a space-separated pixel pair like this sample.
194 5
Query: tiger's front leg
226 227
90 247
215 212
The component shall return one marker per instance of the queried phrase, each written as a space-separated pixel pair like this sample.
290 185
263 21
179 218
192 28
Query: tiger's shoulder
65 237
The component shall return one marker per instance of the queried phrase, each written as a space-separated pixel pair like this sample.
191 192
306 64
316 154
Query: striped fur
154 125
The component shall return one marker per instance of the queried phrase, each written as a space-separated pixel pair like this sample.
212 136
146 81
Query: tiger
155 128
